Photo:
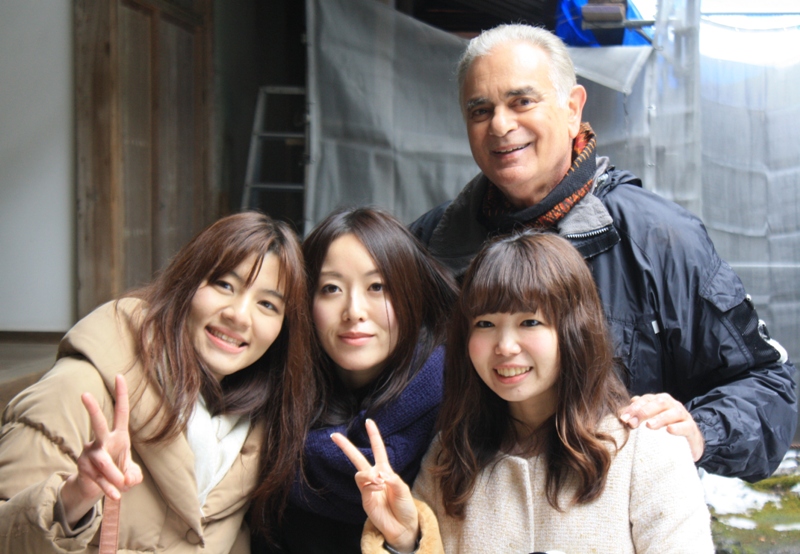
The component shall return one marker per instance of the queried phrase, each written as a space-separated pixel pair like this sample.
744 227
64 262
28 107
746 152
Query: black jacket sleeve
747 408
705 348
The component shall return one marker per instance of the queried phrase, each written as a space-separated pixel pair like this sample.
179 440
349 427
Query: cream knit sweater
653 502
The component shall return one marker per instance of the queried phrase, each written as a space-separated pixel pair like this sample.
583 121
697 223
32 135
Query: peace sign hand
385 496
105 466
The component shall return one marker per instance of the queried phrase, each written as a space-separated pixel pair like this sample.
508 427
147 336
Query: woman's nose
507 344
355 310
238 312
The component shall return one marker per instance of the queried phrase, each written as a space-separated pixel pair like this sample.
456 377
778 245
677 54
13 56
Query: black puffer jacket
681 319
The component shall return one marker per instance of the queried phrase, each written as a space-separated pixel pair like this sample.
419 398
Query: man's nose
503 122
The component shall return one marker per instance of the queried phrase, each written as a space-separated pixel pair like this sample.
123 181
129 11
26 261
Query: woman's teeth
512 371
224 337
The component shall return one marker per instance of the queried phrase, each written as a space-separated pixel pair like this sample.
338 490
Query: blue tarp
568 27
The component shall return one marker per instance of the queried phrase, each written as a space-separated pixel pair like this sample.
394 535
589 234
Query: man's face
520 134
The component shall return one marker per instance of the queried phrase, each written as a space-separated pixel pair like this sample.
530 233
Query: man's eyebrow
524 91
476 102
480 100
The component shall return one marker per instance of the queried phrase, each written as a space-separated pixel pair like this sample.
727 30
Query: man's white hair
562 72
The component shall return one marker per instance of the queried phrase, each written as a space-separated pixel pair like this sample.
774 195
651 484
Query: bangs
256 245
510 278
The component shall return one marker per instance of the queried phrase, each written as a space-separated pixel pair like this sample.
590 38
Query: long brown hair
530 272
421 293
277 389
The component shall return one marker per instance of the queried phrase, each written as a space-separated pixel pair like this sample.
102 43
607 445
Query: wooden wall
143 74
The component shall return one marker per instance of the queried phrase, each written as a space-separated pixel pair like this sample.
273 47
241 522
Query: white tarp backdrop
750 109
385 127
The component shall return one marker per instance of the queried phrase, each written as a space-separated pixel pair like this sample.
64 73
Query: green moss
764 538
779 484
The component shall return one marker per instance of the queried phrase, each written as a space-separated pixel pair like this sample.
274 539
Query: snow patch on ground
790 527
739 522
727 495
789 464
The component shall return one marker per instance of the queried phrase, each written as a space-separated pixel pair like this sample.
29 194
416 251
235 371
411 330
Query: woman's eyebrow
272 292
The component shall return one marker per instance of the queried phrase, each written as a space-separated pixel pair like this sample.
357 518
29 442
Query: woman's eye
329 289
223 284
531 323
376 287
483 324
269 305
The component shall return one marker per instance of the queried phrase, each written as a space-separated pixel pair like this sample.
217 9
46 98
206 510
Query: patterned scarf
497 212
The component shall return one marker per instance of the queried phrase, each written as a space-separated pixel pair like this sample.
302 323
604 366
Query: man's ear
577 99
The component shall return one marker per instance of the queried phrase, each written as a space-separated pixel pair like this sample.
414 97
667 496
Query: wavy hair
277 390
530 272
420 291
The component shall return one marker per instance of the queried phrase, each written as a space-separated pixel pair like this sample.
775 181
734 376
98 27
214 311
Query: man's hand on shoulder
662 410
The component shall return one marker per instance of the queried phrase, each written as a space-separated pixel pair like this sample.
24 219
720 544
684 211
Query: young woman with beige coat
214 354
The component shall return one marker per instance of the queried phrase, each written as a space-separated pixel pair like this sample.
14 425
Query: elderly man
687 333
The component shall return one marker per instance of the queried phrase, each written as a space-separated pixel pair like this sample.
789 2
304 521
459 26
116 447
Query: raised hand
385 496
104 466
662 410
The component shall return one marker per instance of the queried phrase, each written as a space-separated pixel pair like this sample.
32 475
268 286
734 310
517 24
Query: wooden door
142 72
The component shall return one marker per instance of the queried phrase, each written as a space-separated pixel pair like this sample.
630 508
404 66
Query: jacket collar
459 234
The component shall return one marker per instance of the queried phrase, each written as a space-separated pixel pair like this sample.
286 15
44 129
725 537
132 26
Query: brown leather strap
109 531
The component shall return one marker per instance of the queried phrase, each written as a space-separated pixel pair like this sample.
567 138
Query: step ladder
277 161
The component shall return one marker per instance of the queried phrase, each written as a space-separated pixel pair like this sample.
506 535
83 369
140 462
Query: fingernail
625 417
634 421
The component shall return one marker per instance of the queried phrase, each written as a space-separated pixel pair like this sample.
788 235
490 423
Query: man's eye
479 113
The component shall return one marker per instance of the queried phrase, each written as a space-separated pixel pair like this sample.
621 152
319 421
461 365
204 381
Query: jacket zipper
588 234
